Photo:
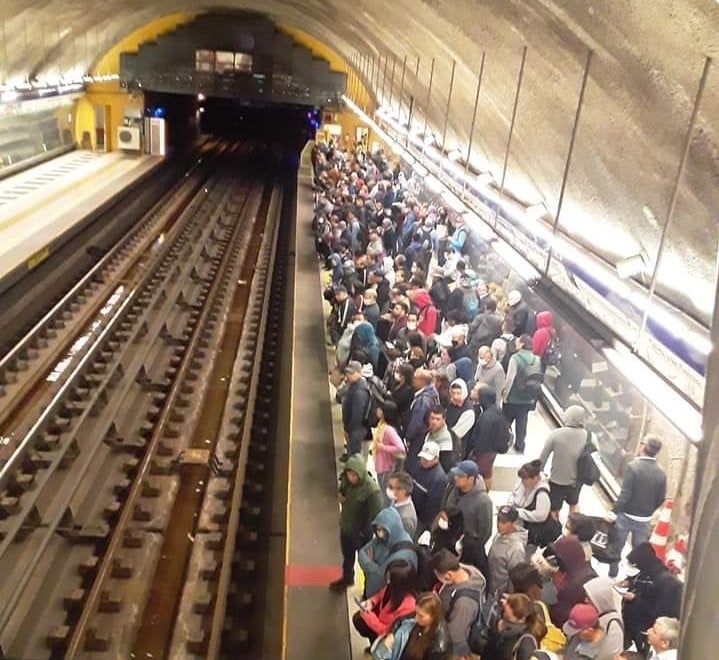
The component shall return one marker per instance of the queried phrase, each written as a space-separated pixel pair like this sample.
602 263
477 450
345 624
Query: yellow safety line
290 437
83 183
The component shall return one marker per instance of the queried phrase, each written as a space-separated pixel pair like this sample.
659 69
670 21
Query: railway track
115 503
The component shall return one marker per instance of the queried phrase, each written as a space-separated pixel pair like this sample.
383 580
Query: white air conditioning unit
128 138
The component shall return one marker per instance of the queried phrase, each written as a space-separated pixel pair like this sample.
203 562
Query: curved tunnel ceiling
647 61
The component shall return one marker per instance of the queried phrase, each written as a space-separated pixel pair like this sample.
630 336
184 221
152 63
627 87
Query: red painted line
310 575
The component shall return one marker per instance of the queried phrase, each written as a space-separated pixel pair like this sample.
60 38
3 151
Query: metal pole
474 121
568 161
446 112
391 84
426 108
674 197
511 131
401 87
411 105
4 41
384 77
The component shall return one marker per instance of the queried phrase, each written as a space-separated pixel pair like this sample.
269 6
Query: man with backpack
462 595
522 388
566 445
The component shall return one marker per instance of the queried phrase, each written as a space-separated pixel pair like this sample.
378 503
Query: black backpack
500 442
553 354
587 470
529 378
479 637
425 575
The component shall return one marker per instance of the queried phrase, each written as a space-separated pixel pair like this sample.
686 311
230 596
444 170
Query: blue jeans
624 525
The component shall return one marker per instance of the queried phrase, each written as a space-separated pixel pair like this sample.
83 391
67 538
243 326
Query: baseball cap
429 451
507 513
465 469
514 297
581 617
353 366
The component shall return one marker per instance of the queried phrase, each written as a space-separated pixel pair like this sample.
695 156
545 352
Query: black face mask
416 363
455 343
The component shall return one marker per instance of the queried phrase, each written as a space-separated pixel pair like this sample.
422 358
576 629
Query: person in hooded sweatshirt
509 549
427 320
600 593
565 445
361 500
543 335
468 497
490 371
568 582
383 549
462 591
459 417
652 592
429 482
489 435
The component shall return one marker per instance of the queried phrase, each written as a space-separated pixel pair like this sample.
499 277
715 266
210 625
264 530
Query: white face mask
484 362
442 523
390 494
411 326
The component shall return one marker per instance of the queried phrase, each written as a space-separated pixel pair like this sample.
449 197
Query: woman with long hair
520 629
388 449
423 637
395 600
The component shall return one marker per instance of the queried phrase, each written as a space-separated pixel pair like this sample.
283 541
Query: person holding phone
395 600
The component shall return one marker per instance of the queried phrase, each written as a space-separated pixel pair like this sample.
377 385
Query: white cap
430 451
514 297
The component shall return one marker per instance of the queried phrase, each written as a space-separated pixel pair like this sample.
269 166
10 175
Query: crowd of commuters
437 371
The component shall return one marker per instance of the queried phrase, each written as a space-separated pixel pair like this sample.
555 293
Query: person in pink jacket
396 599
388 448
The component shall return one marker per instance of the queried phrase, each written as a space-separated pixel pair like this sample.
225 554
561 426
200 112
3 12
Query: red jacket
381 618
427 321
544 333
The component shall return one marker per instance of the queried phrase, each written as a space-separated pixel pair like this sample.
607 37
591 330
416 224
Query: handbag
587 470
604 542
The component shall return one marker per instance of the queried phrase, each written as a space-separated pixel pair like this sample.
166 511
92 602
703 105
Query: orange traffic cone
660 535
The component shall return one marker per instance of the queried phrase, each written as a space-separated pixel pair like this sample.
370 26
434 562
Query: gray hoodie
462 610
476 508
599 591
566 444
506 552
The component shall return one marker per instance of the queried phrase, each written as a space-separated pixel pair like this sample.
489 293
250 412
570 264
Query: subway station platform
41 204
318 621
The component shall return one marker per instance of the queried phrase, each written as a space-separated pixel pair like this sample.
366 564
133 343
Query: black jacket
644 488
354 408
657 591
429 487
491 427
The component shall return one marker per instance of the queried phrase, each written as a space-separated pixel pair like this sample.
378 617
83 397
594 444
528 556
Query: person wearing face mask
490 372
389 543
459 348
460 417
403 336
399 493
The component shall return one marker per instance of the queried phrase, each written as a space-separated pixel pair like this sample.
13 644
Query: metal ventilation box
128 138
